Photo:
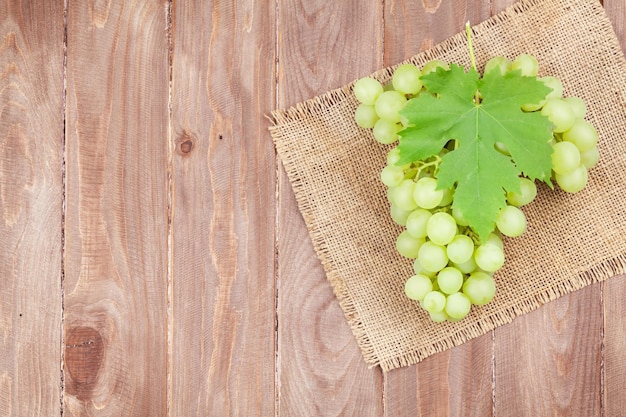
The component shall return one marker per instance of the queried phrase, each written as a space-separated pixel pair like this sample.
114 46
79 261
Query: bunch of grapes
453 268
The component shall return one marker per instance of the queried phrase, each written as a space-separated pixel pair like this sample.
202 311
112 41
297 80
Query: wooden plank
31 206
548 362
224 209
117 209
458 381
614 289
321 371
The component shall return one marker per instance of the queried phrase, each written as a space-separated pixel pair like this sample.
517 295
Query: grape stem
468 33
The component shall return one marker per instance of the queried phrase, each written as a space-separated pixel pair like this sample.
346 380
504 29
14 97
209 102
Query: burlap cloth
571 241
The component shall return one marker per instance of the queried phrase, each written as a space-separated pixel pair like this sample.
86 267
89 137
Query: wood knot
185 143
84 352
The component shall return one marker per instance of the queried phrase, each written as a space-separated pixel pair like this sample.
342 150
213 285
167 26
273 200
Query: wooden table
153 261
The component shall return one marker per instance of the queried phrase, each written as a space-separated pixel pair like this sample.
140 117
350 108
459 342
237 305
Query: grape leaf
481 173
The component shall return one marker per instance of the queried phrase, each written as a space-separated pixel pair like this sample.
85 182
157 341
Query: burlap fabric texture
571 241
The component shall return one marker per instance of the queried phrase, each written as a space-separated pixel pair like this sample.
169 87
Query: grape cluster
453 268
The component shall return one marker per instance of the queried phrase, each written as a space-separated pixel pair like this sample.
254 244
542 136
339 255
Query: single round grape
407 245
578 106
406 79
573 181
417 287
432 257
553 83
441 228
460 249
560 114
565 157
426 194
582 134
494 239
393 156
434 302
489 258
458 305
389 104
480 288
590 158
450 280
498 63
511 221
365 116
438 316
467 267
392 175
402 195
417 221
399 216
367 90
458 216
431 66
386 132
527 64
448 197
528 192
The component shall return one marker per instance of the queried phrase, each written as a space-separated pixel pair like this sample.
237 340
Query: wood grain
224 209
456 382
115 316
321 371
548 362
31 199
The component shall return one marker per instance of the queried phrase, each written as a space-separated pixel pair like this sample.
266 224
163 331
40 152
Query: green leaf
450 110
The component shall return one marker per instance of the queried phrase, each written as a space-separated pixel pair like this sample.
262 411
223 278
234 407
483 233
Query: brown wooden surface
153 260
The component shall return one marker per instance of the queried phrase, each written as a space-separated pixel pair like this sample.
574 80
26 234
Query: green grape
511 221
419 269
565 157
573 181
402 195
501 147
480 288
494 239
555 84
386 132
407 245
393 156
434 302
448 197
458 216
389 104
582 134
392 175
458 305
590 158
528 192
367 90
527 64
467 267
417 287
406 79
438 316
431 66
499 63
426 194
417 221
365 116
460 249
450 280
489 258
399 216
432 257
441 228
578 106
560 114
